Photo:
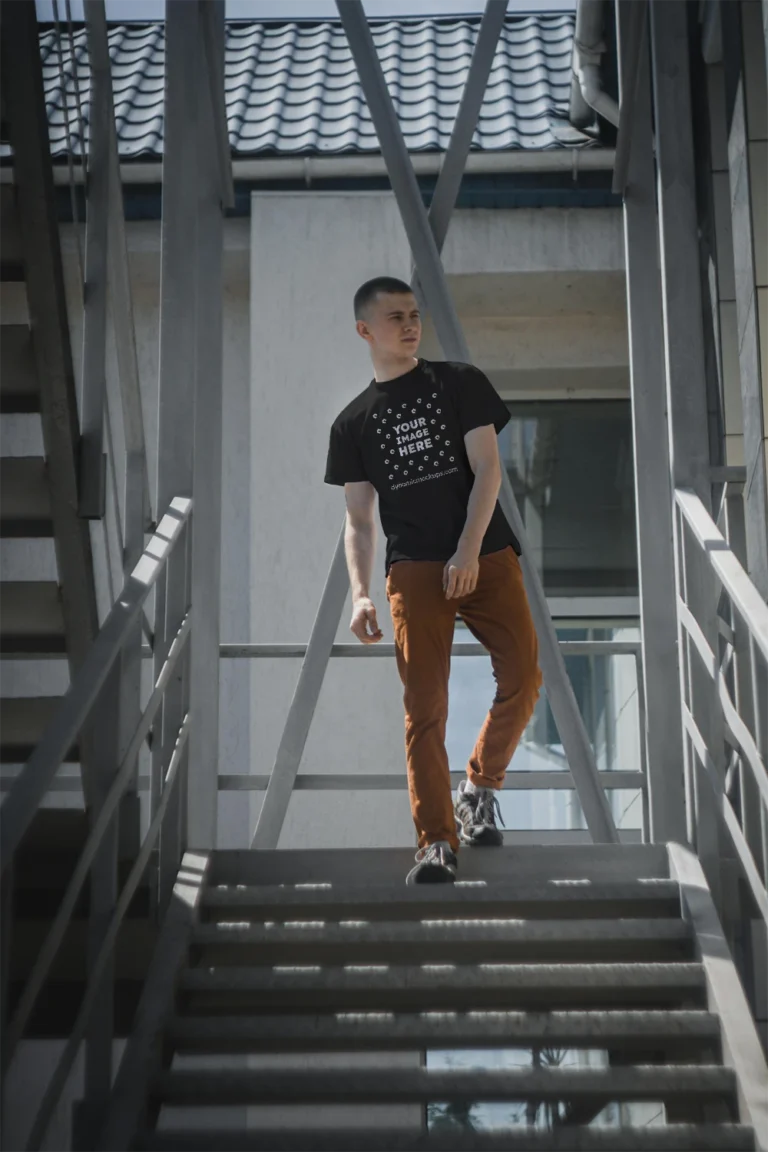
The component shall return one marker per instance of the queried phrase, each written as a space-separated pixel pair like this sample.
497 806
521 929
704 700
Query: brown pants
497 615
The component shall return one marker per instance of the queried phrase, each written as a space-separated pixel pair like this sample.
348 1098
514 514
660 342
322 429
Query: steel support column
136 490
679 255
742 233
202 778
653 491
94 389
686 390
432 278
190 406
176 385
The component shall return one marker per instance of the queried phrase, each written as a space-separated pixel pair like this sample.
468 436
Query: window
570 465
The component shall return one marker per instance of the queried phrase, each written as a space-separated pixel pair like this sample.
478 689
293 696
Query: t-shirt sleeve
345 463
477 401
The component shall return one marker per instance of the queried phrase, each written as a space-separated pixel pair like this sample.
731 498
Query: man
423 436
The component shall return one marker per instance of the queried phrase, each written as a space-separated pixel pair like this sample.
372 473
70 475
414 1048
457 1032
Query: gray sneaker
476 814
435 864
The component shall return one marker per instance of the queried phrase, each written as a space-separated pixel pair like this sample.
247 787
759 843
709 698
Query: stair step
666 1031
658 1083
461 942
660 1138
25 506
525 901
446 988
31 618
23 721
378 867
19 390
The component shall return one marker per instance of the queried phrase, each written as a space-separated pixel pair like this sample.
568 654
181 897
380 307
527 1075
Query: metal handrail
47 954
77 708
459 648
555 780
32 783
99 967
747 629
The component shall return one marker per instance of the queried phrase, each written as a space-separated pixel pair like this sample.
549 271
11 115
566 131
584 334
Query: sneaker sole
431 874
488 837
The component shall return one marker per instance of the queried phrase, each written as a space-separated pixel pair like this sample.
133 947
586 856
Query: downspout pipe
587 90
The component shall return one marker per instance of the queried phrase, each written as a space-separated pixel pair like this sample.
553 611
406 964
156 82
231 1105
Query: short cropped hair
368 292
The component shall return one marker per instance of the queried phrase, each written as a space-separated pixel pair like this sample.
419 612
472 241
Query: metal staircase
304 961
44 540
276 999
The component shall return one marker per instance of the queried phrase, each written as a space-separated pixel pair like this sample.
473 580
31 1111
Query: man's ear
363 330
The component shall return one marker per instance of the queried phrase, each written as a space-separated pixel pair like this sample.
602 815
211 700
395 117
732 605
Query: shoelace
488 808
431 852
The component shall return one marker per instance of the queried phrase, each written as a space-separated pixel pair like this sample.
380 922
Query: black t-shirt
406 437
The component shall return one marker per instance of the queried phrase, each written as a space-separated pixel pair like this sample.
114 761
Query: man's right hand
363 619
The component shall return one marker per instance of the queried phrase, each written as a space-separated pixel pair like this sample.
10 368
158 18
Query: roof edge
350 165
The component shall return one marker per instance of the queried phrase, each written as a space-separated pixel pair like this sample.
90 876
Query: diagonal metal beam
454 163
302 710
432 276
304 702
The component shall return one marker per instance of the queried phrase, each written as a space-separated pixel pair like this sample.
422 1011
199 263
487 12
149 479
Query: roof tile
292 88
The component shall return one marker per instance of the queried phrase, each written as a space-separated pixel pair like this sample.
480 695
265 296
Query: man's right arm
360 548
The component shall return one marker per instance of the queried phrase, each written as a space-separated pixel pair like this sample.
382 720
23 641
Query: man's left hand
460 573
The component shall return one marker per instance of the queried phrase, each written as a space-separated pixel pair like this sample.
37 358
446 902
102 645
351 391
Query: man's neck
390 367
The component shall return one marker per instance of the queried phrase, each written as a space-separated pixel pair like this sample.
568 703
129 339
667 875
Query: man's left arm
461 572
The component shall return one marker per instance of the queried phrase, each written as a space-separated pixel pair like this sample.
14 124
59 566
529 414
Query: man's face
392 324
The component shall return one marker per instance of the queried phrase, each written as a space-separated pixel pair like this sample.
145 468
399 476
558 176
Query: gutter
354 165
587 92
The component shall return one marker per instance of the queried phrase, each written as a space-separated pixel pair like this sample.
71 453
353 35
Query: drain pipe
586 88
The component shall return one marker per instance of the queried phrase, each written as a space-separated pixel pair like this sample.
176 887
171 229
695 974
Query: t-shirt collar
396 381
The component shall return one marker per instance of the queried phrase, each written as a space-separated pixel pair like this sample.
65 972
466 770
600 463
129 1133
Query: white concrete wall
541 295
309 255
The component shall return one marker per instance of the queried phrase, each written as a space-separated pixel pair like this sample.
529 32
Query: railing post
6 928
755 831
695 589
173 714
103 737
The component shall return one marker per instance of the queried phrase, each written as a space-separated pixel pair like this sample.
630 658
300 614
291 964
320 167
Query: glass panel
570 465
605 687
